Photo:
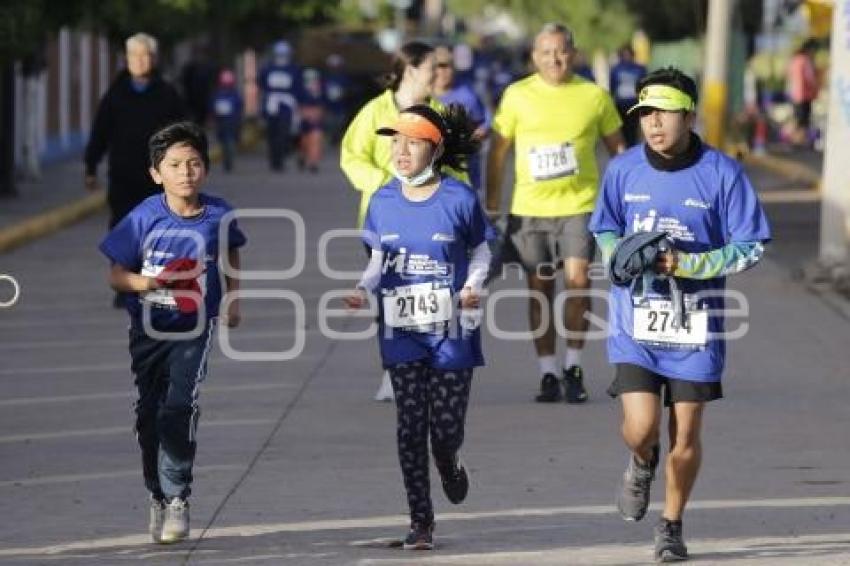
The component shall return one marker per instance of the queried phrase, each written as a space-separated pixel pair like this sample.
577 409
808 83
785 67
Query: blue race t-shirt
426 245
227 108
336 88
151 235
464 95
623 82
281 86
702 207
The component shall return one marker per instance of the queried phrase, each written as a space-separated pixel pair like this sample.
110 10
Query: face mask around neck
420 178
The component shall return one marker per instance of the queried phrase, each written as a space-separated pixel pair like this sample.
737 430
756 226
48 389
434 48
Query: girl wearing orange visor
429 258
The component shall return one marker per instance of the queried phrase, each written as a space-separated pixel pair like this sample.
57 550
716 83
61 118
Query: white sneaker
385 391
176 525
157 517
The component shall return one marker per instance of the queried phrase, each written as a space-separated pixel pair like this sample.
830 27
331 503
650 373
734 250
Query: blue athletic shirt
281 86
623 82
151 235
702 207
426 242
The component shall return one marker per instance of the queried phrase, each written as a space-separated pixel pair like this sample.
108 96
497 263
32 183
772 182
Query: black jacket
124 122
634 256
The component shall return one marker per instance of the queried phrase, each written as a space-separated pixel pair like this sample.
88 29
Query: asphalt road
296 464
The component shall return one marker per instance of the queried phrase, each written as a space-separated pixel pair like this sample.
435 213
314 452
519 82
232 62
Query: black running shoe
669 545
455 480
550 389
574 385
420 537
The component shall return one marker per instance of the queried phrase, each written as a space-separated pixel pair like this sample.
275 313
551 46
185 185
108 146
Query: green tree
672 20
595 23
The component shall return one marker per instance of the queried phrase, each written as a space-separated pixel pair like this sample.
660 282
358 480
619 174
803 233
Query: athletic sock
547 365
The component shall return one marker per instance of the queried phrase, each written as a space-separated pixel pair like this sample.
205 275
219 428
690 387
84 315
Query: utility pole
7 129
715 90
835 189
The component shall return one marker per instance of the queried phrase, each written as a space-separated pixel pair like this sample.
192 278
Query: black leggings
428 400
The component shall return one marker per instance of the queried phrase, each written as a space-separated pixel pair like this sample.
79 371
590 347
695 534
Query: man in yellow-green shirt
554 120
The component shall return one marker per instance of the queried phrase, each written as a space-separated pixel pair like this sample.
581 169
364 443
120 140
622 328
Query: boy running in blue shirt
666 329
165 254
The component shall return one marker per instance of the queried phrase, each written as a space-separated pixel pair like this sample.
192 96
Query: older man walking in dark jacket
138 103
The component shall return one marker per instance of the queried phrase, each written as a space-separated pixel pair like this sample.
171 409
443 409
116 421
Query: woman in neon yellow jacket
365 157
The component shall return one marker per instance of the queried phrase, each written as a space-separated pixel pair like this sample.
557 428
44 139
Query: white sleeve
479 266
371 278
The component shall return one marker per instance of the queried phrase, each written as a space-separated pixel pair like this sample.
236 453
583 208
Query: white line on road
118 367
101 342
772 550
91 368
108 431
130 394
400 521
74 478
110 321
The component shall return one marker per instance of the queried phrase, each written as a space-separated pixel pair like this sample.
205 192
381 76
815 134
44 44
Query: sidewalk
798 165
43 206
59 199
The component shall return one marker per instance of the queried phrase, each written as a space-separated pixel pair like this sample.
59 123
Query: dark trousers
430 402
631 126
279 138
168 376
124 195
227 141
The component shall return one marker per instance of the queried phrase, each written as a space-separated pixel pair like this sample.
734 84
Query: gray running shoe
157 517
669 545
176 525
633 495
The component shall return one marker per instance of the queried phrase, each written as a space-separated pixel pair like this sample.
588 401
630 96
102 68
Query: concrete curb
791 169
53 220
50 221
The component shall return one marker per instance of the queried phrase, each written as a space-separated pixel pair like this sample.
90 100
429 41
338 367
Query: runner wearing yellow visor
664 97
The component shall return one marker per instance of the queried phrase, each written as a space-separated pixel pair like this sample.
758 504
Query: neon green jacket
365 156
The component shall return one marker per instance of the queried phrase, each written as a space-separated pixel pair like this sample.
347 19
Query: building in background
55 98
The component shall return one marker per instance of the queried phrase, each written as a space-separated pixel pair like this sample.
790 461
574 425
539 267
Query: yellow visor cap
663 97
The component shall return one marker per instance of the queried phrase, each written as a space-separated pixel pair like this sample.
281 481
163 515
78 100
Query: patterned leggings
428 400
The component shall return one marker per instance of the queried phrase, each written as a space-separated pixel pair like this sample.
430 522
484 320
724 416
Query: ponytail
458 142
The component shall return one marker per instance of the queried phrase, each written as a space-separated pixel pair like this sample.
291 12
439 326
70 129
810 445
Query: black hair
457 130
670 76
411 54
187 133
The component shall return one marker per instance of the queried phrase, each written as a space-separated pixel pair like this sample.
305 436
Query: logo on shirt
441 237
389 237
151 253
636 197
694 203
672 226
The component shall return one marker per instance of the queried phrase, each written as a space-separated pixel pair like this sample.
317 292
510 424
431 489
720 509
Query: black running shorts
631 378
